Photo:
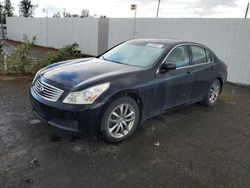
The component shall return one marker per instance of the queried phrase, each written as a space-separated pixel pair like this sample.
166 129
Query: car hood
78 72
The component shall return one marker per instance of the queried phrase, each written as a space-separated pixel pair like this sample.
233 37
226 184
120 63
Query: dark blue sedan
117 91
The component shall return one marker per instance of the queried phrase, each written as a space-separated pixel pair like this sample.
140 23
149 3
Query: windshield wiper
103 58
110 60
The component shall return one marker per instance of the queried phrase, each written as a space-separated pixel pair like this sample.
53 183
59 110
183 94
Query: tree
26 8
75 15
2 16
66 14
8 9
57 15
84 13
1 12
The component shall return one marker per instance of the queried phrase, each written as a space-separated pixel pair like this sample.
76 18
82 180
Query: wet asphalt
194 146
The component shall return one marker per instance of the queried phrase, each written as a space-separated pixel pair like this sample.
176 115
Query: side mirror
168 66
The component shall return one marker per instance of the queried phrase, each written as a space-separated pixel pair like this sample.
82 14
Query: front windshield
142 55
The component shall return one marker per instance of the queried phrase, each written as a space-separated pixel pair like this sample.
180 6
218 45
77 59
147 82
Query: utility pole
134 7
157 13
247 10
47 25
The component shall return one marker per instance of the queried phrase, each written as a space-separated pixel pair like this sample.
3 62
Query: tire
213 93
120 120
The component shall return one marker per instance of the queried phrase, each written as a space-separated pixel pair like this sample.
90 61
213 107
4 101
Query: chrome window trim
207 63
186 44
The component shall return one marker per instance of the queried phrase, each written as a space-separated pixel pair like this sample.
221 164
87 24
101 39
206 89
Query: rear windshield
142 55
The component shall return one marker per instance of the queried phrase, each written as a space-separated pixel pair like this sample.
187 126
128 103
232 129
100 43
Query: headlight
87 96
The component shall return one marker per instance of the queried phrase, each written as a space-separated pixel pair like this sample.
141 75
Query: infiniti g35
114 93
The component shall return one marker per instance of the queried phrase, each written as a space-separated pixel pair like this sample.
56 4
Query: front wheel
213 93
120 119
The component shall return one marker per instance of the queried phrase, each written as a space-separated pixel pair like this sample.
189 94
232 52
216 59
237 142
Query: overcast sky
146 8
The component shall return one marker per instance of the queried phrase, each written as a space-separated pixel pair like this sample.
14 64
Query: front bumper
74 119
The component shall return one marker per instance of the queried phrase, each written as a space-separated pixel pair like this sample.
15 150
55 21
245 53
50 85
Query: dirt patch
16 77
36 51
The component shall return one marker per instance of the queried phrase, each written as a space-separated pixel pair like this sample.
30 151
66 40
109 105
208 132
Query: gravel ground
190 147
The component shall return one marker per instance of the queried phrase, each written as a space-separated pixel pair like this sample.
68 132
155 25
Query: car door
173 87
202 68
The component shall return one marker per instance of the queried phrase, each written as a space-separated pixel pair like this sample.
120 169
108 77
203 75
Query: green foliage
21 57
84 13
65 53
26 8
1 46
8 9
1 13
22 62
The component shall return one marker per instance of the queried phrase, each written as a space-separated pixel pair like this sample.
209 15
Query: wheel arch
221 83
130 93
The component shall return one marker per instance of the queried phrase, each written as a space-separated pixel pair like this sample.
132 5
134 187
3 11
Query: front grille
47 91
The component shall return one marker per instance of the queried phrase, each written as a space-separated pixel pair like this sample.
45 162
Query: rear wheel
213 93
120 120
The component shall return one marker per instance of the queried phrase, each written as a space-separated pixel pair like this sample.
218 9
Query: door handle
212 67
189 73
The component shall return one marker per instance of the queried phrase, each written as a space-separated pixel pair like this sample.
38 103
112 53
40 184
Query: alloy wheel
214 92
121 120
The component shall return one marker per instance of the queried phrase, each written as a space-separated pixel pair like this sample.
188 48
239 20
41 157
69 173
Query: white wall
228 38
55 32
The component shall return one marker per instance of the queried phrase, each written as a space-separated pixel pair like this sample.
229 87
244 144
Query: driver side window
179 56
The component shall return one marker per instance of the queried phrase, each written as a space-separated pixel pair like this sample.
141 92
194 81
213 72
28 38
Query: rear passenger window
209 56
198 54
